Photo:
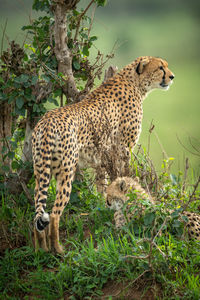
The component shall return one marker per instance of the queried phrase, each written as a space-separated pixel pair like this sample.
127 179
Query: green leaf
20 112
34 80
35 107
27 27
149 218
57 93
101 2
76 65
5 168
1 80
4 150
93 38
11 154
46 77
85 51
19 102
11 99
177 224
22 78
50 99
55 102
176 213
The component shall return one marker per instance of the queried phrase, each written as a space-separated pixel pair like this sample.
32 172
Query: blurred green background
168 29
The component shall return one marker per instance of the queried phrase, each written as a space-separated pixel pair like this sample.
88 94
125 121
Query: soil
125 291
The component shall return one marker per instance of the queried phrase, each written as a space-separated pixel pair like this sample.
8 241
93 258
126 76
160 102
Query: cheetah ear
141 65
122 185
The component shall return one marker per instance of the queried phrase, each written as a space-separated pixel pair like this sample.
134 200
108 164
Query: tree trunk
5 129
62 52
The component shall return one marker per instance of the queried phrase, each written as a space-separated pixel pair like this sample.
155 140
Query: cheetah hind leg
40 232
40 240
53 235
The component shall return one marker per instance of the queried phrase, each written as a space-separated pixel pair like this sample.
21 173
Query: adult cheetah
63 135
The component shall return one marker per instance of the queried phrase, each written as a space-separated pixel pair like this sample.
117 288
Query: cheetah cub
117 196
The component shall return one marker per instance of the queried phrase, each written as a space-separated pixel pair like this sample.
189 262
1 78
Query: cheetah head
117 191
152 73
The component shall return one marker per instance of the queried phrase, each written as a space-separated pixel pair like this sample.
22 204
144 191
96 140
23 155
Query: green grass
97 255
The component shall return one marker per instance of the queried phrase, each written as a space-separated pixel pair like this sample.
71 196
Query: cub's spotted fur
117 196
65 134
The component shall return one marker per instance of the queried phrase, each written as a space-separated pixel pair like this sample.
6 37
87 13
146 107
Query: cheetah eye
161 68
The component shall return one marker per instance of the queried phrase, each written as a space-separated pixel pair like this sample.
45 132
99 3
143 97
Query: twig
196 149
151 128
192 195
92 19
185 173
161 146
79 20
197 154
61 100
26 191
2 40
138 257
160 230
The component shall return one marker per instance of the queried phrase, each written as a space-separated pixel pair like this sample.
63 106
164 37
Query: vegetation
149 257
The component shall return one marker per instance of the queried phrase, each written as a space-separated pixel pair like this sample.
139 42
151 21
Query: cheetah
66 135
117 196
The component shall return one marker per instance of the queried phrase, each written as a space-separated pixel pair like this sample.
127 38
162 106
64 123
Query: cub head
152 72
117 191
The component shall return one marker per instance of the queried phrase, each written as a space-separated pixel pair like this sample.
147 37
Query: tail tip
42 222
45 217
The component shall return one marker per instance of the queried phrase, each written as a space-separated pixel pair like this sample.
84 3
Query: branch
2 40
197 154
192 195
185 174
61 50
79 20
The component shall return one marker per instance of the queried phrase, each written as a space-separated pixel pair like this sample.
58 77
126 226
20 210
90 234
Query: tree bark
5 128
62 52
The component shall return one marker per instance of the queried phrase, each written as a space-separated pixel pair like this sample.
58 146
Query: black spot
46 175
42 201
